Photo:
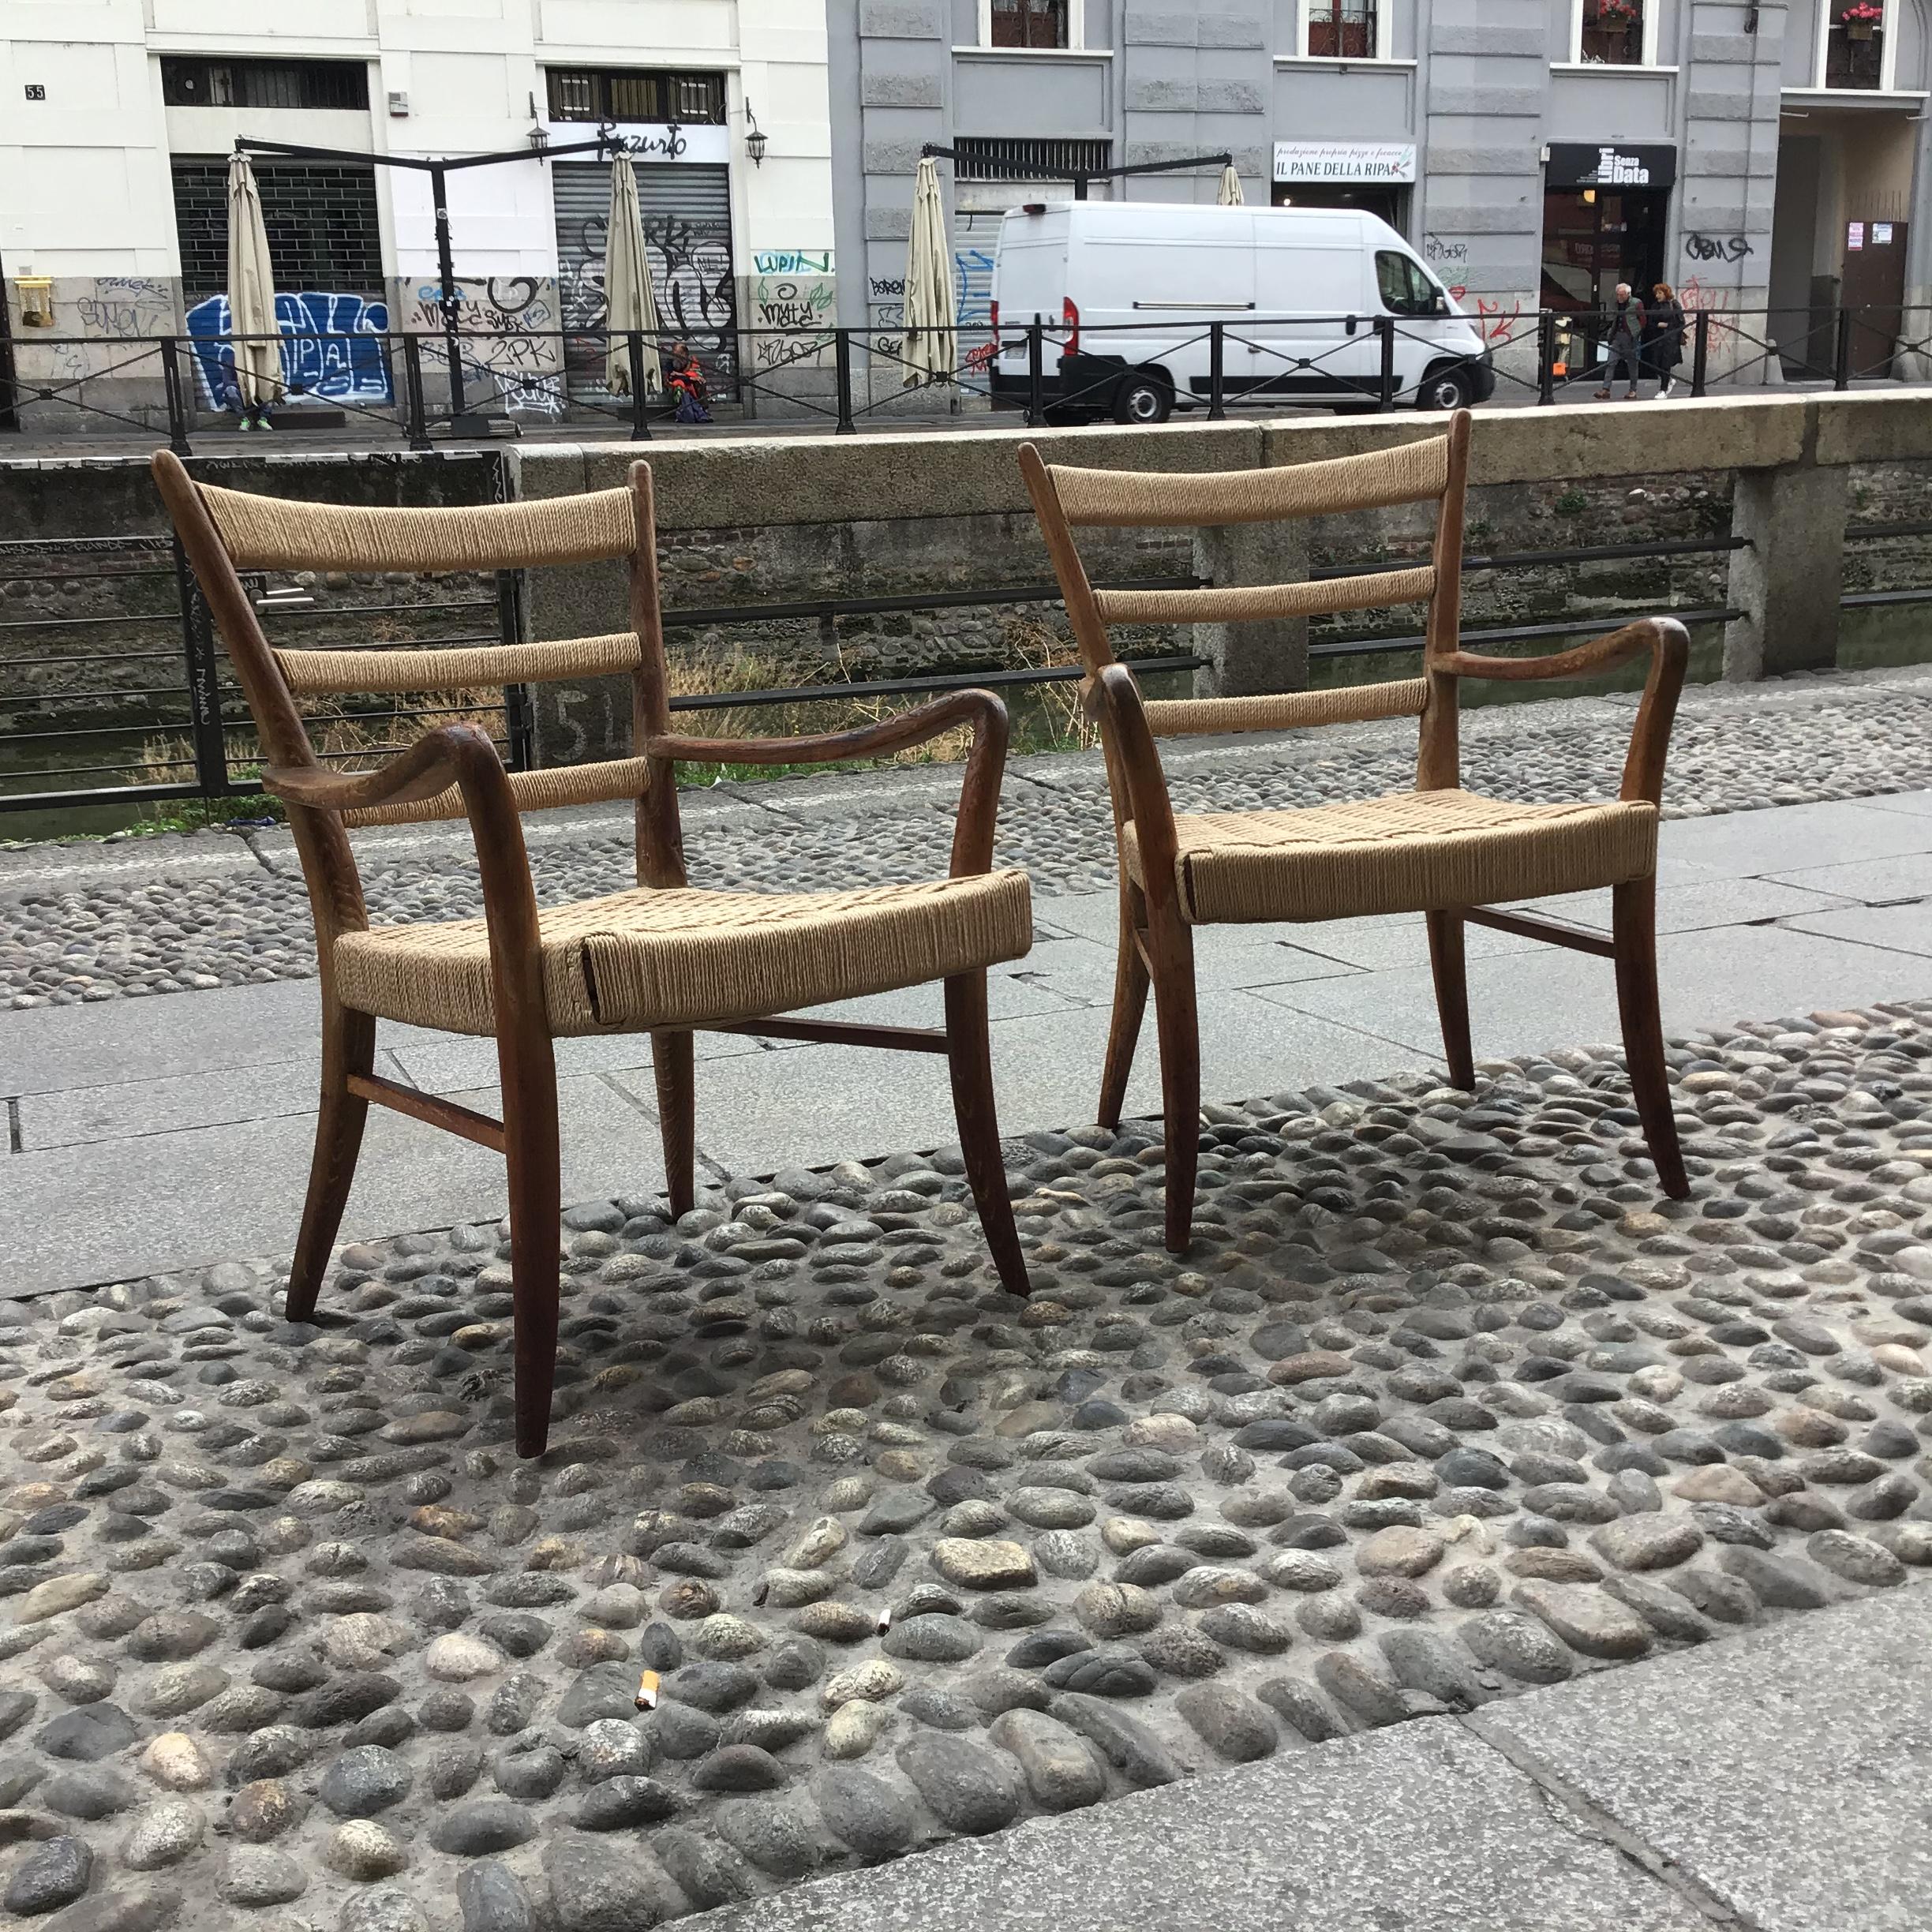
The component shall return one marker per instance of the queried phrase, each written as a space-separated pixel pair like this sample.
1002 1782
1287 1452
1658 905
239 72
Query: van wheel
1444 389
1143 397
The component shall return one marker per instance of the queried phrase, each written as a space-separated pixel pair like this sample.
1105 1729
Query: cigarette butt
885 1622
647 1691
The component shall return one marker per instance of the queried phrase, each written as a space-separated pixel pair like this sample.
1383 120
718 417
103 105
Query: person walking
1664 336
1623 347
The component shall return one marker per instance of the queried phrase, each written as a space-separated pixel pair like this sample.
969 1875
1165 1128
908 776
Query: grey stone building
1764 159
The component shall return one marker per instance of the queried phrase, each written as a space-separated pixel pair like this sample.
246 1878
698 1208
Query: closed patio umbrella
931 310
1230 195
251 295
630 302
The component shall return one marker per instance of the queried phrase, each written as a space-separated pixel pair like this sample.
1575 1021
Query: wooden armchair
663 959
1450 854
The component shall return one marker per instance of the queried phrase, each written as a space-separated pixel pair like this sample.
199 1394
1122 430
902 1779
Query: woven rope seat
1410 851
673 956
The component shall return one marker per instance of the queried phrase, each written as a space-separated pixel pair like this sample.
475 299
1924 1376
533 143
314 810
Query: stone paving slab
1896 928
1532 1001
1422 1829
155 1200
1872 882
1787 1773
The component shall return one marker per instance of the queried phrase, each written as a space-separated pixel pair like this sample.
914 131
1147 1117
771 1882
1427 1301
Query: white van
1126 291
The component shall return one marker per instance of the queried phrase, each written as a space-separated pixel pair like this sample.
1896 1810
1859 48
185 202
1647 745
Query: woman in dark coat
1663 334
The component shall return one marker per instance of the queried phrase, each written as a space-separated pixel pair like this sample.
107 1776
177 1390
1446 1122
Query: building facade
1766 160
119 116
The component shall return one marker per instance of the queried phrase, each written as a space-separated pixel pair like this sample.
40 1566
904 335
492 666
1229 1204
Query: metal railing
202 704
411 388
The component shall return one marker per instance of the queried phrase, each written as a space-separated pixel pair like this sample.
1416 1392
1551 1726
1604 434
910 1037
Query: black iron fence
413 389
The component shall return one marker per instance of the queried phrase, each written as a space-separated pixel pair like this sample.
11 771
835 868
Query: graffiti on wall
793 290
94 320
1696 300
503 322
1497 323
691 264
332 346
1710 248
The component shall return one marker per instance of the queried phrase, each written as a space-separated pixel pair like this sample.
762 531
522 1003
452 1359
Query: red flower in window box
1861 19
1619 16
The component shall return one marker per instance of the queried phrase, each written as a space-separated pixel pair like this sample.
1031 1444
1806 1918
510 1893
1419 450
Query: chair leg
1130 994
969 1059
1633 923
1445 942
674 1064
529 1073
1178 1023
348 1047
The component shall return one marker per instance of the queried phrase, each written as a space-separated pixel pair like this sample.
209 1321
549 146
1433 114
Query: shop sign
1623 164
1345 161
645 141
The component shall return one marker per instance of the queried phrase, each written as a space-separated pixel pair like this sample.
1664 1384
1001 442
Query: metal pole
446 271
1079 187
1217 354
640 421
1037 375
210 743
1546 358
1699 352
415 422
1841 355
171 391
841 358
1385 333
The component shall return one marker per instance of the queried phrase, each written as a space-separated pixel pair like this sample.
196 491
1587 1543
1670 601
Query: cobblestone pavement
1736 748
1444 1404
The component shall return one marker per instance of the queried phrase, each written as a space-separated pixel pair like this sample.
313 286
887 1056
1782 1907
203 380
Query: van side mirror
1439 304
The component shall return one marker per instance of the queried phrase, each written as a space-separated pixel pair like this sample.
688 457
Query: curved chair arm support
986 763
1134 766
1668 645
461 755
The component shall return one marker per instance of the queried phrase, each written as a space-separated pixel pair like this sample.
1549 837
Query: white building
119 116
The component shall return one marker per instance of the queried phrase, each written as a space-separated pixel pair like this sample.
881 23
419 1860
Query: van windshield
1405 287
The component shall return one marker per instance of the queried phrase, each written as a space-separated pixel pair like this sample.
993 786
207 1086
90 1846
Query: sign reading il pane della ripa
1625 164
1345 161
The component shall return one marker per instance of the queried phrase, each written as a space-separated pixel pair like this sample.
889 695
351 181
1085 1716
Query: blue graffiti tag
349 364
973 270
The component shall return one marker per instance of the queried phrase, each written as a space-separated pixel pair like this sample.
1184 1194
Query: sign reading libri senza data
1345 161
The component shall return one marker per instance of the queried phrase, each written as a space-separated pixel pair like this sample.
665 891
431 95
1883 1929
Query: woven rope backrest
1347 704
270 532
1410 473
311 673
1230 604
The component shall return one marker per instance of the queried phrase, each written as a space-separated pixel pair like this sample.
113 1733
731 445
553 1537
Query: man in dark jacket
1624 350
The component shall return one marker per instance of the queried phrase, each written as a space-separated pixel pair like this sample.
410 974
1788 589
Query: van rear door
1029 282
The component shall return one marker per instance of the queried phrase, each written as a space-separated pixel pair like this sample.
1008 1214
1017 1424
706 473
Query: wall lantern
755 137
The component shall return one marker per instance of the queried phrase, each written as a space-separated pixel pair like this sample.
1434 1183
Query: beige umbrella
931 310
1230 195
630 302
251 293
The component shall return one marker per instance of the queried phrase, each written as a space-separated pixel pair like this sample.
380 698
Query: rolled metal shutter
687 229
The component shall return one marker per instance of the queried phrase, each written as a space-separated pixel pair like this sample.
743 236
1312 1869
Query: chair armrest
1669 644
985 764
1134 773
461 755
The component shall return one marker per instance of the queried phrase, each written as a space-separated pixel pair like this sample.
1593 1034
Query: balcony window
1611 33
1854 44
637 95
1034 24
1340 30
